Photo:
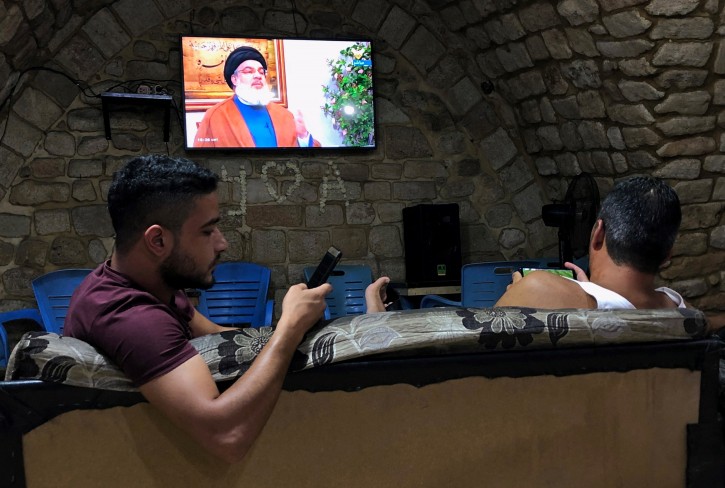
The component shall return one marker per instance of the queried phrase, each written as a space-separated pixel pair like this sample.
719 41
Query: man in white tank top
631 238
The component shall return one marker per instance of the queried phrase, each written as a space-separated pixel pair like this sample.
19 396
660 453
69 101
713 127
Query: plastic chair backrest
349 282
239 295
53 292
5 319
482 284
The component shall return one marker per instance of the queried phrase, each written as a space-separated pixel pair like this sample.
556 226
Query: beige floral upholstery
436 331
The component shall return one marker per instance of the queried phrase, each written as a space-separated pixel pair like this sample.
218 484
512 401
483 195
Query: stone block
328 216
32 253
636 91
578 12
406 142
268 246
457 189
359 213
478 239
640 136
568 164
80 58
263 216
681 169
528 203
717 237
514 56
85 168
642 160
463 96
92 145
510 238
679 126
694 146
690 103
516 176
669 8
701 216
352 242
14 225
83 191
67 251
583 73
593 134
105 32
307 246
92 220
7 252
582 42
557 44
386 241
715 164
369 13
682 79
549 137
414 190
10 163
32 193
689 28
538 16
696 191
690 244
630 114
129 13
97 251
624 49
536 48
21 136
18 281
636 67
397 26
628 23
85 120
55 221
498 148
37 108
424 169
60 143
694 54
422 49
389 212
386 171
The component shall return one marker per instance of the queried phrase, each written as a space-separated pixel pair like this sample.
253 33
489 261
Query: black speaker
432 234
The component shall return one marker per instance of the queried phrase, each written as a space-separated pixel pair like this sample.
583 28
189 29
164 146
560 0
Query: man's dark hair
641 218
155 189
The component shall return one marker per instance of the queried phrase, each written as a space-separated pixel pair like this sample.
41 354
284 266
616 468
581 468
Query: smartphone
561 272
324 269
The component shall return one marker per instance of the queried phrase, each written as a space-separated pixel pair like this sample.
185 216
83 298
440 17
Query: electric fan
574 217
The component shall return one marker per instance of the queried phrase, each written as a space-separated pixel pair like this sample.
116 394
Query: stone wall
494 105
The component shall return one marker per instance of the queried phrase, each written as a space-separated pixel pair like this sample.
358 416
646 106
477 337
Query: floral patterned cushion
49 357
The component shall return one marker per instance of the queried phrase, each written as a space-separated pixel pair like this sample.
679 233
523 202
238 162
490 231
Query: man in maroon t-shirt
165 212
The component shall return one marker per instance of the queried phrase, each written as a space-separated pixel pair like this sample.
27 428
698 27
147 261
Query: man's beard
178 271
249 95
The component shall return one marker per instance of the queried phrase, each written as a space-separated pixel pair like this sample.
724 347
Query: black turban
237 57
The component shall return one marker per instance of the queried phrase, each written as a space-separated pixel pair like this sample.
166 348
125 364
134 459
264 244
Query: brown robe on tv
223 126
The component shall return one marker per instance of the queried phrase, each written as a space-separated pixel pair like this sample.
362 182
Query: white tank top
607 299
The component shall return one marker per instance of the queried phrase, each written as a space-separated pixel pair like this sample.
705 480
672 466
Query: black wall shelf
111 99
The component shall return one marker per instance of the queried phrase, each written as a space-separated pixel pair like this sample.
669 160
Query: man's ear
597 238
157 240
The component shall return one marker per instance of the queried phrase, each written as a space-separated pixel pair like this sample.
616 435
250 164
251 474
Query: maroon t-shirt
144 337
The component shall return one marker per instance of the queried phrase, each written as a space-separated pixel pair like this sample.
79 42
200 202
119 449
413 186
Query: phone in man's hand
325 268
558 271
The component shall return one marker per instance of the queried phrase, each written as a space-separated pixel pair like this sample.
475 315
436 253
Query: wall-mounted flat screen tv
269 93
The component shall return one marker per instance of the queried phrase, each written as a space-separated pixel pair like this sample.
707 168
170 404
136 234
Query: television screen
263 93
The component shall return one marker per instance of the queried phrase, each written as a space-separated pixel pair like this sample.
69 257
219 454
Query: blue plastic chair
239 295
5 319
348 289
53 292
482 284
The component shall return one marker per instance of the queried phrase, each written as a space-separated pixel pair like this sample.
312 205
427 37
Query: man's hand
579 273
300 125
302 308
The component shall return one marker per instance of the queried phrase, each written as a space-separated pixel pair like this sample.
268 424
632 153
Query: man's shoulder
541 289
